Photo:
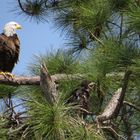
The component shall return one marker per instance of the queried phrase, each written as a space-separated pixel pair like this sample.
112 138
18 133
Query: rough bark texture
20 80
35 80
114 105
48 86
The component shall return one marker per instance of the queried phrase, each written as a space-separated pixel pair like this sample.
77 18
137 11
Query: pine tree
103 45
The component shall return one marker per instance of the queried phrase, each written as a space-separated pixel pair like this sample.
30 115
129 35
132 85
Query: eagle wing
9 52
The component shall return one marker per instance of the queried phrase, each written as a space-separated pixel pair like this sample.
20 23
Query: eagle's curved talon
7 74
3 73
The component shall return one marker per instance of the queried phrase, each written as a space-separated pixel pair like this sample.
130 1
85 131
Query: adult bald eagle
9 48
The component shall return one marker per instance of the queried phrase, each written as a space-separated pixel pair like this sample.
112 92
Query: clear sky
35 38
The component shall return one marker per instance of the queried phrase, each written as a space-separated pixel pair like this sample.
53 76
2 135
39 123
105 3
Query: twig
114 24
13 107
108 127
121 27
21 7
86 111
18 129
132 105
96 38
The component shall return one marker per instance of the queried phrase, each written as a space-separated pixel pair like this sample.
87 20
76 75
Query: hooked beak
18 27
91 85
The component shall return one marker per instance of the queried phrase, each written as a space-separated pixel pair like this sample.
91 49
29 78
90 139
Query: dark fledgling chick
81 95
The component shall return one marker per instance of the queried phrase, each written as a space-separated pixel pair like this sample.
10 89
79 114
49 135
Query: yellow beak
18 27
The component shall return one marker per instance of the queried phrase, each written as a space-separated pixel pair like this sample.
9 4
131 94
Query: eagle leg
7 74
3 73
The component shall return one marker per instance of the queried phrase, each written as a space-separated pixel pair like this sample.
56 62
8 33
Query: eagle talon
7 74
3 73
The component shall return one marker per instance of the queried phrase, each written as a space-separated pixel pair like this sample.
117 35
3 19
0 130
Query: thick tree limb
35 80
114 105
20 80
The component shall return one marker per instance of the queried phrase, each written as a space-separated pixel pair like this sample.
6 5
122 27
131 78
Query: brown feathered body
81 96
9 52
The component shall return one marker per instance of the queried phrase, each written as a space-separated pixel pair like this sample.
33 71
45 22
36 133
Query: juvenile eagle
81 95
9 48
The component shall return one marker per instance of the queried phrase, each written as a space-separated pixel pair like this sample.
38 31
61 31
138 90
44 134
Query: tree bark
35 80
48 86
115 104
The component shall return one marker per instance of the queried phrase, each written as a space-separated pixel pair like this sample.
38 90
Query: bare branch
18 129
20 80
86 111
97 39
48 86
115 24
114 105
35 80
113 131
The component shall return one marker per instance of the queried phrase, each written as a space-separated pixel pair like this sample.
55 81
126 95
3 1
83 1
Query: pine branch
35 80
21 7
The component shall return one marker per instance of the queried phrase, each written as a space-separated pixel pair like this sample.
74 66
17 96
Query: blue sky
35 38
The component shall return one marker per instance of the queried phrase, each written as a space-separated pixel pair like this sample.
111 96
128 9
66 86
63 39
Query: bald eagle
9 48
81 95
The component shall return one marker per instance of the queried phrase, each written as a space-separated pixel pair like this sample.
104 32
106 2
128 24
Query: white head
10 28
